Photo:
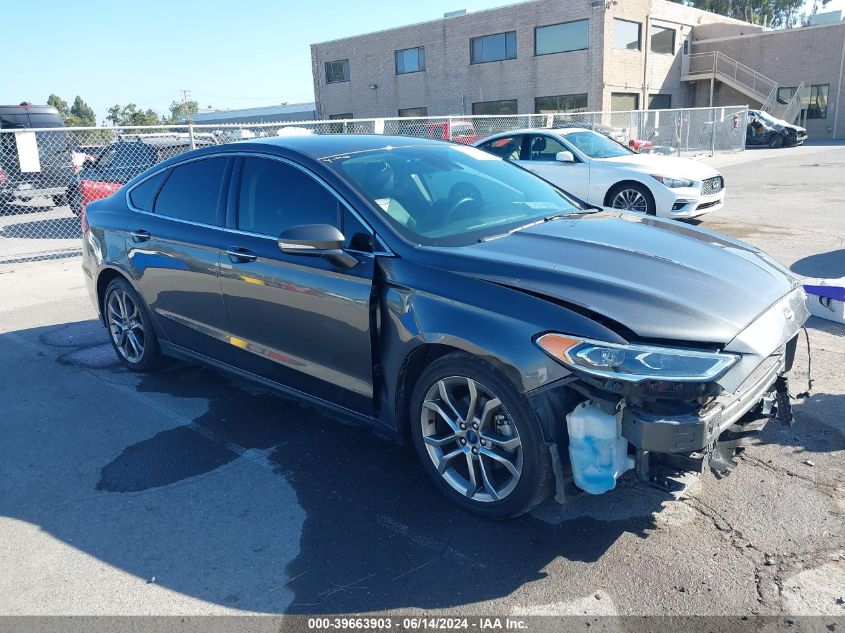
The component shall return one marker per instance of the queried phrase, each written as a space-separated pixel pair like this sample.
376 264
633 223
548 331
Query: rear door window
192 192
507 147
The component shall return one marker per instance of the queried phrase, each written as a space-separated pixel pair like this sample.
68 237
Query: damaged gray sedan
520 340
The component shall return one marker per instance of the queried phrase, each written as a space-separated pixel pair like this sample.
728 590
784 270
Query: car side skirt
379 426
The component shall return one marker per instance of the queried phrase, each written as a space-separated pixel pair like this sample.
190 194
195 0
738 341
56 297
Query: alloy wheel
471 439
125 325
630 200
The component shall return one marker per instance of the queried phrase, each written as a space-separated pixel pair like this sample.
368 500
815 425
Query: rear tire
60 200
130 329
492 460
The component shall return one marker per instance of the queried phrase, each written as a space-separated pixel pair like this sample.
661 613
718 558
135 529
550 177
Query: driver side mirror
316 240
565 157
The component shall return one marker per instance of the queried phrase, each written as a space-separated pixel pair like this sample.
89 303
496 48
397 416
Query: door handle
241 255
140 235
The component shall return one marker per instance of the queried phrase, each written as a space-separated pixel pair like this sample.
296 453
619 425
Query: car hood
658 279
657 165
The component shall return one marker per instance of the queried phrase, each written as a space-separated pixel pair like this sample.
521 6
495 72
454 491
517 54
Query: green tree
182 108
770 13
83 113
79 114
60 104
129 115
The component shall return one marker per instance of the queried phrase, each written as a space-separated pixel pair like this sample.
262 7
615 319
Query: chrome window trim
386 252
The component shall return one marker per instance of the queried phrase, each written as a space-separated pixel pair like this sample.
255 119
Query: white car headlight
673 183
636 363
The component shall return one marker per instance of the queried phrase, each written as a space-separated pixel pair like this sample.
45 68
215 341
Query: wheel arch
611 191
421 357
104 278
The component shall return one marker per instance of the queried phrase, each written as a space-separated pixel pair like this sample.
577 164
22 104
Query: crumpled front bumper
695 431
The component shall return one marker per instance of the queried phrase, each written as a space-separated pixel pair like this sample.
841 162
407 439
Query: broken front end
664 409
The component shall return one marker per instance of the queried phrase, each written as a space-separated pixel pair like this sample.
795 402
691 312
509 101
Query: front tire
775 140
130 329
632 196
60 200
479 439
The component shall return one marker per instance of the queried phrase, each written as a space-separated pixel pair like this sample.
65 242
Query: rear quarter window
142 196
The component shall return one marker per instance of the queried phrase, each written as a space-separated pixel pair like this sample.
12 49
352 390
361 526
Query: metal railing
763 88
793 108
48 175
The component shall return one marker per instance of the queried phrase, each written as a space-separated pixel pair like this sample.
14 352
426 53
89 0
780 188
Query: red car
124 159
456 131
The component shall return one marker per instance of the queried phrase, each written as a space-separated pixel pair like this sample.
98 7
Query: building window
785 94
561 103
817 105
345 115
624 101
492 48
659 102
506 106
626 35
561 38
337 72
662 40
413 112
410 60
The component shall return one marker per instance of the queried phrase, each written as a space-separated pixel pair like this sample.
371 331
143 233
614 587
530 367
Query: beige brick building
556 55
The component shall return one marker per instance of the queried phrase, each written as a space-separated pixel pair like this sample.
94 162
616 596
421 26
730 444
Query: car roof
164 140
325 145
32 109
540 130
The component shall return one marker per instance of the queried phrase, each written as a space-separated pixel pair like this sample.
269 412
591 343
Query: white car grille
712 185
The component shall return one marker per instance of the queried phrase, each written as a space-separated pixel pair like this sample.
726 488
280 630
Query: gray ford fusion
525 343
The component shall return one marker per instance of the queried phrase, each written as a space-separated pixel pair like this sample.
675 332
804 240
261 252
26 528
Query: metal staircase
718 66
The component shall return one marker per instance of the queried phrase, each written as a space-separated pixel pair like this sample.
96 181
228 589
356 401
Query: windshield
765 117
596 145
449 195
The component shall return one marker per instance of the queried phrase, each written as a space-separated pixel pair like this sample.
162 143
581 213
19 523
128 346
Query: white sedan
604 173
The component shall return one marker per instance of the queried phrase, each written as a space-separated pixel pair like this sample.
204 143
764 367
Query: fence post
713 133
449 128
191 135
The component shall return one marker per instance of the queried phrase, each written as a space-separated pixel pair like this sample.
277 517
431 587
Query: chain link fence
48 175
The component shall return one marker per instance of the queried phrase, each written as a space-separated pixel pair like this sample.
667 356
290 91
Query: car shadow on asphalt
376 535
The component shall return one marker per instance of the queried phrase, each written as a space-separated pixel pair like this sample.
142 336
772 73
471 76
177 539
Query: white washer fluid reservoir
597 450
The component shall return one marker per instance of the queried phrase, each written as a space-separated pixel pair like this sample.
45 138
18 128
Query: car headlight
673 183
635 363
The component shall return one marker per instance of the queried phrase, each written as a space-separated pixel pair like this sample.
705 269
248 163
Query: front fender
422 306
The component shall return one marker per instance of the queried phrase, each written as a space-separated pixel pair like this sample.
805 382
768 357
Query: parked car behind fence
124 159
34 164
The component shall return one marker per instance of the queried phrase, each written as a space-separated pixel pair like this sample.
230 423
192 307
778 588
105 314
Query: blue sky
228 54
